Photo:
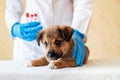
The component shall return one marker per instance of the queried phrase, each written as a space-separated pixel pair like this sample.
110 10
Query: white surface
94 70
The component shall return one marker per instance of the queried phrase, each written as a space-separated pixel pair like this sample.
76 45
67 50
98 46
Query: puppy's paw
51 65
29 64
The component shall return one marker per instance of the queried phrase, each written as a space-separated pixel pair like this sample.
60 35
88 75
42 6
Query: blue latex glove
27 31
79 48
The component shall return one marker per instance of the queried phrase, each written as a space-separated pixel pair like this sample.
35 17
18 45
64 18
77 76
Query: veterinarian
74 13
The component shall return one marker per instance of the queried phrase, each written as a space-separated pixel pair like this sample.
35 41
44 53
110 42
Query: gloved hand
79 48
27 31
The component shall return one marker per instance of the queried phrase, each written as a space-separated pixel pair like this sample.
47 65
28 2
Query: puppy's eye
45 43
57 42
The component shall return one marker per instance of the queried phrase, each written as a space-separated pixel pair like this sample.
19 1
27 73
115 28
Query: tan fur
49 36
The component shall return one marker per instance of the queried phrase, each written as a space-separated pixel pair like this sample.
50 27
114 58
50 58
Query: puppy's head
56 40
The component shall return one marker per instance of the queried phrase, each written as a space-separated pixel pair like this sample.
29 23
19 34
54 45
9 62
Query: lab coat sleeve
81 15
13 12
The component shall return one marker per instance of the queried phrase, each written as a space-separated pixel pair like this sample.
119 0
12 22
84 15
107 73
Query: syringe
31 18
27 17
35 17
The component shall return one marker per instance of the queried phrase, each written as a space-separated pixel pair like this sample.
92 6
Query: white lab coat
74 13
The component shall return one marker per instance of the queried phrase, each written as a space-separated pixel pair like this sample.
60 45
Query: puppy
59 47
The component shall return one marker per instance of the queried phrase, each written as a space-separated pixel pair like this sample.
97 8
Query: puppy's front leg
64 63
39 62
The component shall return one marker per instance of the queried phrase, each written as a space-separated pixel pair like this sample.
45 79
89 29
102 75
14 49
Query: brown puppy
59 46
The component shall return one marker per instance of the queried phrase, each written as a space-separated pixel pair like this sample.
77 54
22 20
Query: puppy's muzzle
53 56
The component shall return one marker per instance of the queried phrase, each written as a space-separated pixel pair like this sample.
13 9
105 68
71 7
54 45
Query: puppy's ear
66 32
39 36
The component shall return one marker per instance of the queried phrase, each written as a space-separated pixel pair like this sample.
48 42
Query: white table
94 70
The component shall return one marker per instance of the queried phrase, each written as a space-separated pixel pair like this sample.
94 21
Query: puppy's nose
52 55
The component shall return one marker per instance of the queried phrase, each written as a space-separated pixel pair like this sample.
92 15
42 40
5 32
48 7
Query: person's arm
81 18
13 12
26 31
81 15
